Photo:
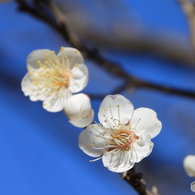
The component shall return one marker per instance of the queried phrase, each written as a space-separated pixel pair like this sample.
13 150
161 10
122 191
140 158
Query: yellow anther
62 49
118 105
29 68
76 65
104 110
52 52
88 144
39 62
47 56
44 104
75 51
35 83
46 61
31 89
35 79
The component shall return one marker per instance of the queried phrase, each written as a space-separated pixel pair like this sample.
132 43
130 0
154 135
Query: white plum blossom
123 136
78 110
53 78
189 165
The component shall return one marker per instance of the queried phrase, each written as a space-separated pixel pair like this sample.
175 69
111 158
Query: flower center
123 138
58 79
54 74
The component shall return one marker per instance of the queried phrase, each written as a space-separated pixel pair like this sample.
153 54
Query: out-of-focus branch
137 38
47 12
189 9
162 45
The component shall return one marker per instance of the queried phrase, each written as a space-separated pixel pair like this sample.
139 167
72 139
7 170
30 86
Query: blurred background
39 151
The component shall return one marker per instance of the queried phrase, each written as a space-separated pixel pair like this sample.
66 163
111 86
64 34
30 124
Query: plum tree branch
136 181
49 13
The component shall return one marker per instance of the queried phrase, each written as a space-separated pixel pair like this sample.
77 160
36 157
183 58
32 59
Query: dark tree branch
136 181
47 12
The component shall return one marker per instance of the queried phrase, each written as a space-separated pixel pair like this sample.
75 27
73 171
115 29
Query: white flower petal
142 147
115 107
27 85
79 78
118 162
36 55
73 55
79 71
189 165
145 118
88 137
56 101
84 122
31 90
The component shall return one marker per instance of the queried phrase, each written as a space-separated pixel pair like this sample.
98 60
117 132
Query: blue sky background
39 151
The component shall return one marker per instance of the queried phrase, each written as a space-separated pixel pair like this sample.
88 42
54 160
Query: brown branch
47 12
136 181
159 44
63 27
169 45
189 9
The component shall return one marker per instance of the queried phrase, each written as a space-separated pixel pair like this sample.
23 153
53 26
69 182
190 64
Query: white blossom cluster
123 136
54 78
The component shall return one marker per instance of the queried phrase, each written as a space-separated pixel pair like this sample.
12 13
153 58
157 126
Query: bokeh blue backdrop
38 150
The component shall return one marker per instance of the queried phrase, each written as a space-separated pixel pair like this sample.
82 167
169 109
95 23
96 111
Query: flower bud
189 165
78 110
